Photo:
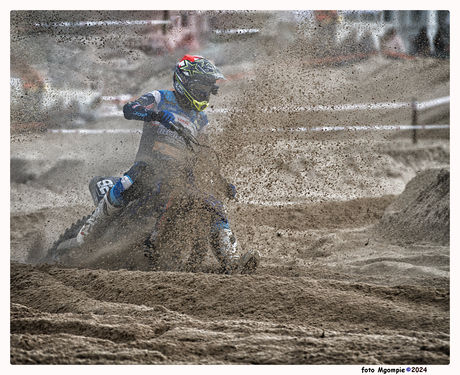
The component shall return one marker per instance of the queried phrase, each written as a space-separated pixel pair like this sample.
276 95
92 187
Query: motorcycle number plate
99 186
104 186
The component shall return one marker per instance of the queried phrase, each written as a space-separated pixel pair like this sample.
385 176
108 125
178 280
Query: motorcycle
182 239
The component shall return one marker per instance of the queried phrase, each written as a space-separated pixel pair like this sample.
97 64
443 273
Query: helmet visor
200 90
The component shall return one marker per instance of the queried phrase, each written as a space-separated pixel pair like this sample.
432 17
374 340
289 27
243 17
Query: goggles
198 90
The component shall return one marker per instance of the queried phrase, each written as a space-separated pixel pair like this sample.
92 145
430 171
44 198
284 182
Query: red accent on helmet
191 58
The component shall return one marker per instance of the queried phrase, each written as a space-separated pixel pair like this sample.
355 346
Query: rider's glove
164 117
231 191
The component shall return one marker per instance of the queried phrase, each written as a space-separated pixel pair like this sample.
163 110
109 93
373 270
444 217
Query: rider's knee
132 185
221 231
220 224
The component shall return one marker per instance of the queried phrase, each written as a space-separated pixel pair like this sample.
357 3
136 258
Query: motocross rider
162 154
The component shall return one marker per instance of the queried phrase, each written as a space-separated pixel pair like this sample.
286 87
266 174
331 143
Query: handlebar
188 137
186 134
181 130
175 126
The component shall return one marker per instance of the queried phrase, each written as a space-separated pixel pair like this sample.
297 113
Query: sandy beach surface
352 227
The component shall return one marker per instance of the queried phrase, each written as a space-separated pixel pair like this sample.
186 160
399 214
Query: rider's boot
99 217
224 245
249 262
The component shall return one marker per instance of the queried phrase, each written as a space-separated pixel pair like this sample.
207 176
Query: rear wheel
53 253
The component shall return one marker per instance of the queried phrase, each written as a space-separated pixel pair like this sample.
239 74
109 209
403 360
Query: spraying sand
352 227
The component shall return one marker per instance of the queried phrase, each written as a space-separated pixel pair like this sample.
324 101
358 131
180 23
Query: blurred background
70 68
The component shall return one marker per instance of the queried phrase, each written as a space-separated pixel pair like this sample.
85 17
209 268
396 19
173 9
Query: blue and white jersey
157 141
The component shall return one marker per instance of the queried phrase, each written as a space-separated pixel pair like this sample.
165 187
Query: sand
352 228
